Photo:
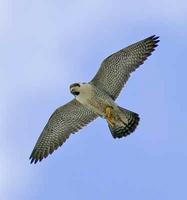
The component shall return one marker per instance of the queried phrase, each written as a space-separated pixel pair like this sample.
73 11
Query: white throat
86 93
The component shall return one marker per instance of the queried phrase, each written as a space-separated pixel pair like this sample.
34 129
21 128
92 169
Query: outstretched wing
65 120
115 69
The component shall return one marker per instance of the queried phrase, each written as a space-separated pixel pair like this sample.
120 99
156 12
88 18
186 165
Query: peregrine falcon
96 99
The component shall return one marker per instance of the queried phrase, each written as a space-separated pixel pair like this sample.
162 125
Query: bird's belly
96 105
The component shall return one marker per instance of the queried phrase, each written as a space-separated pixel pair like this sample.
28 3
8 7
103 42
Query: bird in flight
96 99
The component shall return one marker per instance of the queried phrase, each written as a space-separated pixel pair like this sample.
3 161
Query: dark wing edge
115 69
65 120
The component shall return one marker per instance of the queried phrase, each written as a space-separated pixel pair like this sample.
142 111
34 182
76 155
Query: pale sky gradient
47 45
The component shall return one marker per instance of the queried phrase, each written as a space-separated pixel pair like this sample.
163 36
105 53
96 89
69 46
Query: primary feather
115 69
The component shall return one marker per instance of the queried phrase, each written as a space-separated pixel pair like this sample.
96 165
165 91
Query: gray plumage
115 69
88 105
128 128
65 120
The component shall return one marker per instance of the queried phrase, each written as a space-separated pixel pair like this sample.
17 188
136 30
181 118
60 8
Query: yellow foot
109 116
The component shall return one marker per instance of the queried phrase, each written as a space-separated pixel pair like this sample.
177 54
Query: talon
108 116
108 111
111 122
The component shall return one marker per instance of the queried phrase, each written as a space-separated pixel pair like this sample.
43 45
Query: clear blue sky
47 45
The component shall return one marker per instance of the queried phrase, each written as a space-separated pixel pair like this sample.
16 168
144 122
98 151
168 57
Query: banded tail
131 124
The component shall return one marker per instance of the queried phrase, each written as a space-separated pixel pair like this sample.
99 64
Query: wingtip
31 160
155 38
34 160
36 157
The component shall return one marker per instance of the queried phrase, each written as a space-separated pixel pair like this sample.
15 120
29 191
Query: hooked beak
74 92
73 88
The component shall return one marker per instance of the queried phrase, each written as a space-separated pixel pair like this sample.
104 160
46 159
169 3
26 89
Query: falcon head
75 88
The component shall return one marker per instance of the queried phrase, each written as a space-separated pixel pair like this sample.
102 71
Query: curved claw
109 116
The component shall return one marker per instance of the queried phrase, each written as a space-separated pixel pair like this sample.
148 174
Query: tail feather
128 127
